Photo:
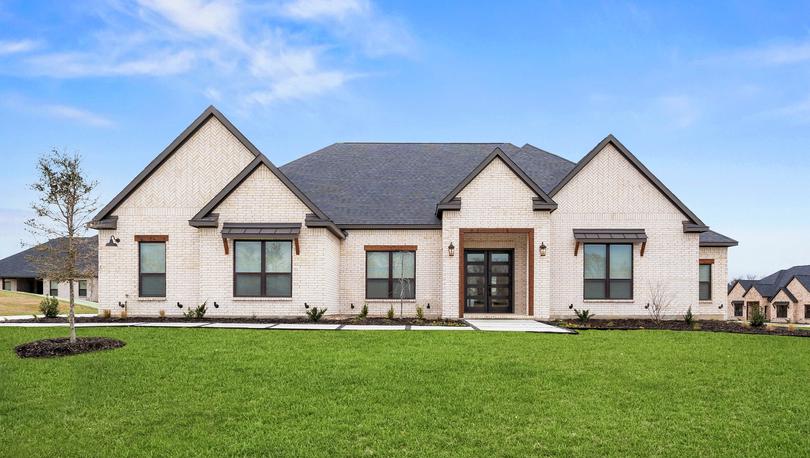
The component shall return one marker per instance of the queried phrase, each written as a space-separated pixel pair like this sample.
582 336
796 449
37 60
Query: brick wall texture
328 272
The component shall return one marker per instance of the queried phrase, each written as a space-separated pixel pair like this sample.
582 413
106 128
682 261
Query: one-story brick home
783 296
19 273
459 229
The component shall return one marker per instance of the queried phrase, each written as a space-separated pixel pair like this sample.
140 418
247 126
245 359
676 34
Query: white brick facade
330 272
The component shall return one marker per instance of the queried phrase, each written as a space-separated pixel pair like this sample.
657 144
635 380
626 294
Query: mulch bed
49 348
325 320
680 325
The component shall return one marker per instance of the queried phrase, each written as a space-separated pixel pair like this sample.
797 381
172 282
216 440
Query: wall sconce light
113 241
647 307
543 249
122 304
216 306
428 306
306 306
352 306
451 250
570 306
179 305
721 307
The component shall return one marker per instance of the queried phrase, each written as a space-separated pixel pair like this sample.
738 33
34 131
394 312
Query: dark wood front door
488 279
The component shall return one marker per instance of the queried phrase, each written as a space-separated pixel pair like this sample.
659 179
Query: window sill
609 301
393 301
261 299
151 299
706 302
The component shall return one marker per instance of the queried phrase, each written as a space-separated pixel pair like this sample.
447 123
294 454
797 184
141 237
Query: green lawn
235 392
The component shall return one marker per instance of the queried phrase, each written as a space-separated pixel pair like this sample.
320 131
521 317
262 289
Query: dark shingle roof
770 285
711 238
745 284
19 265
401 183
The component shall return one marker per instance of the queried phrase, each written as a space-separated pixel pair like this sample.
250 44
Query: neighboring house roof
20 266
769 286
746 285
715 239
400 184
693 225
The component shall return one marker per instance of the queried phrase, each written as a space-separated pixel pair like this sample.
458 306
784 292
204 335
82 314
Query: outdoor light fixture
721 307
216 306
451 250
571 306
543 249
428 306
352 306
306 306
647 306
113 241
122 304
179 305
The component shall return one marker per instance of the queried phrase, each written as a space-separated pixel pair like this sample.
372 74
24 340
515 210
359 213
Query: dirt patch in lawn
49 348
672 325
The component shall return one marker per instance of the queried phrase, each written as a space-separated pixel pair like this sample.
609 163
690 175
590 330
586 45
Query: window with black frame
82 288
608 271
738 308
262 268
705 282
53 287
390 274
781 309
152 269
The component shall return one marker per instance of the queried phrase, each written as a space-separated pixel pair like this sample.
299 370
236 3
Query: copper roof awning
261 231
609 235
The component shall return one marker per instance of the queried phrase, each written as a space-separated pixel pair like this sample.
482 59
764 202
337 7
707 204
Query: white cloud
218 18
17 46
300 87
320 9
766 55
75 65
77 114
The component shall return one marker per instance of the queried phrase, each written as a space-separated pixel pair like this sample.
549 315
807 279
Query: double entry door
488 281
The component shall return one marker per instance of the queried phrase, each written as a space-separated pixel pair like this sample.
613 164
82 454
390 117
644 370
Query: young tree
63 209
660 301
404 283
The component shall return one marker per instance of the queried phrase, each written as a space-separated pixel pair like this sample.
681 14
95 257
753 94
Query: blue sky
714 97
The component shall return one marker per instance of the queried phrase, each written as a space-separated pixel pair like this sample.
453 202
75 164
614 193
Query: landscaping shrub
107 313
162 314
420 314
196 313
315 314
49 306
757 318
390 313
124 314
364 311
689 318
583 316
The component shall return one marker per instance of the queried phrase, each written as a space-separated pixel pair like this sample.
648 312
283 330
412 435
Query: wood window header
151 238
704 262
390 247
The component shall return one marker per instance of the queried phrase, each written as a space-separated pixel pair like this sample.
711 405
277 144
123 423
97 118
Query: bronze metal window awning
610 236
261 231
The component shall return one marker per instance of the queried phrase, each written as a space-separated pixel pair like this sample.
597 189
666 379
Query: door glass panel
475 280
499 269
499 291
500 302
475 291
499 280
475 269
475 257
500 257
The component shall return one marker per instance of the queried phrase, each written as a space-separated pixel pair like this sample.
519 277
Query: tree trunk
71 315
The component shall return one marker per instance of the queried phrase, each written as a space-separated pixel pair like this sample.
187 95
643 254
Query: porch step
496 316
516 326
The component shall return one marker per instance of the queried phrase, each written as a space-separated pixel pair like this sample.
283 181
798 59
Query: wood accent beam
707 261
225 243
297 247
643 247
151 238
576 248
390 247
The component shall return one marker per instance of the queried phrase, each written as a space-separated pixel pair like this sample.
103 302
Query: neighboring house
18 273
460 229
783 296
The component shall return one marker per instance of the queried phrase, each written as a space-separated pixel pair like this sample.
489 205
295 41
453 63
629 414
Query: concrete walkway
474 325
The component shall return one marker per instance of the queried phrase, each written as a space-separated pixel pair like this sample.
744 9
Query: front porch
496 273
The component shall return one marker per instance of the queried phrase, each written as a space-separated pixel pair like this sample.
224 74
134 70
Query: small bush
757 318
162 314
792 327
315 314
107 313
124 314
196 313
689 318
49 306
695 326
420 314
364 311
390 313
583 316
